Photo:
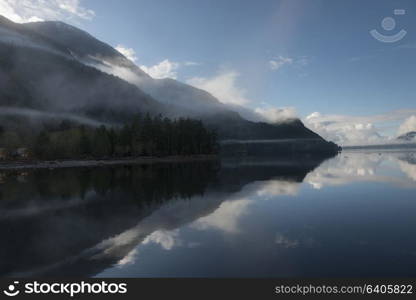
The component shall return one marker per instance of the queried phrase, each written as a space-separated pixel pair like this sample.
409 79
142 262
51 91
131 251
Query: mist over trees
144 136
45 77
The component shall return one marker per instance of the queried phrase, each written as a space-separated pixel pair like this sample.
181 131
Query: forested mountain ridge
93 52
408 137
43 69
36 79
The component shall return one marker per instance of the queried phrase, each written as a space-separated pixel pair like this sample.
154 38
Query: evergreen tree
101 146
84 142
42 147
143 136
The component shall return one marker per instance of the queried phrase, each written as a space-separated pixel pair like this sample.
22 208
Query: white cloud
22 11
127 52
224 87
408 125
278 62
357 130
164 69
275 115
191 63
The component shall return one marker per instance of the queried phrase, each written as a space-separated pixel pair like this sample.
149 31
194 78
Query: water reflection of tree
140 183
51 215
72 210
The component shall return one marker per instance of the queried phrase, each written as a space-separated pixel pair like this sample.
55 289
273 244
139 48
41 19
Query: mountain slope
94 52
408 137
31 78
55 67
81 44
19 35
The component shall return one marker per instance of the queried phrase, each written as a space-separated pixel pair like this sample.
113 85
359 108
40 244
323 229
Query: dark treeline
144 136
143 185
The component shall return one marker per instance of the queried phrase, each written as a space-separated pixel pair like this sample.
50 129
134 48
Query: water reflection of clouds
160 228
344 169
350 167
129 259
227 217
232 216
165 228
408 169
285 242
171 226
167 239
277 188
35 206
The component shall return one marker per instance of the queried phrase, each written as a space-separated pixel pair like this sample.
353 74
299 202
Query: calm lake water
351 215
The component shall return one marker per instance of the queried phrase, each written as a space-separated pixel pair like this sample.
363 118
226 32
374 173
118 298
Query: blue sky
305 56
345 65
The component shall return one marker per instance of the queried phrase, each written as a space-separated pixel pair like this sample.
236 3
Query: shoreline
80 163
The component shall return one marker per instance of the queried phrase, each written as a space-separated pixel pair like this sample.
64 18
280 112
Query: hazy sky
315 57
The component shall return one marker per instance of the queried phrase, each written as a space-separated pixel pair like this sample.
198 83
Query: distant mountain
397 146
408 137
53 67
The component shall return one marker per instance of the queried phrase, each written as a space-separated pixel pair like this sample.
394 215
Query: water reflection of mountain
237 173
366 166
407 163
77 222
